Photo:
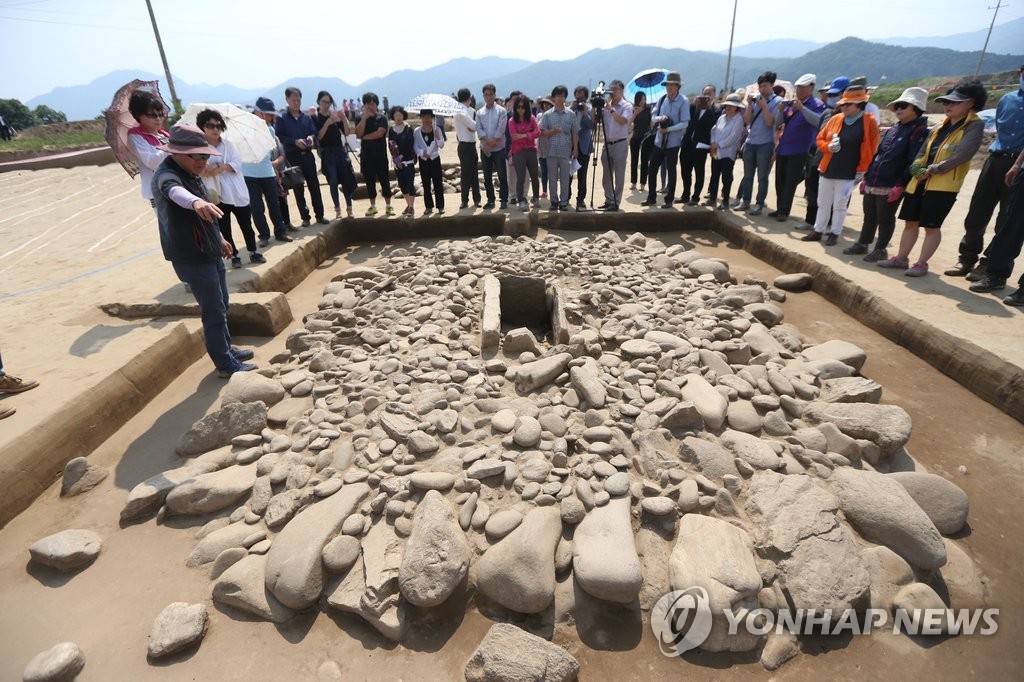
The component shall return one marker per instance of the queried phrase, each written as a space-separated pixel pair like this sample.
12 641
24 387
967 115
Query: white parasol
441 105
246 132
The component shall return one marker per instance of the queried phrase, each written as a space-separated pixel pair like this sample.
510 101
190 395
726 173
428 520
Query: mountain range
789 58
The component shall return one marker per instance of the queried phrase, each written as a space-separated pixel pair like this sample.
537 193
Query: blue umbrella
650 82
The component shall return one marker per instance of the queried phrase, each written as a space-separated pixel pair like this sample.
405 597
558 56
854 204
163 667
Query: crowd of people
827 138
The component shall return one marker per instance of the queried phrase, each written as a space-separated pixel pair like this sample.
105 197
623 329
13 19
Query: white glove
834 146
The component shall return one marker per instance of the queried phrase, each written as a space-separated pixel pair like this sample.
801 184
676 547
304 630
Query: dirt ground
108 608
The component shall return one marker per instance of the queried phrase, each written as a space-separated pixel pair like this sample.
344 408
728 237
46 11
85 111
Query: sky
252 43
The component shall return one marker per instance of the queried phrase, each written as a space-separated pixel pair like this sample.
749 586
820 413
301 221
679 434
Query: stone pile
682 436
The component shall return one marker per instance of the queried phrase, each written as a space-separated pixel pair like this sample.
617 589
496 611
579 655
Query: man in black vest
693 153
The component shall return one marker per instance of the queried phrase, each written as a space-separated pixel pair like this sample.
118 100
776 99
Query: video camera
599 98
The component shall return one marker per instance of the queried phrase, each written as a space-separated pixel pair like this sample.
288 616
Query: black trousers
469 177
244 216
639 155
880 215
307 163
721 168
374 165
789 173
430 176
669 157
990 191
495 161
694 162
811 192
1006 244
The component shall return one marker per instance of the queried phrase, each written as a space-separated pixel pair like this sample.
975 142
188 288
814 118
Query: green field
55 142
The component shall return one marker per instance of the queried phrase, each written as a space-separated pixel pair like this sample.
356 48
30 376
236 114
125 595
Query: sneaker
553 207
372 211
349 213
812 237
632 188
428 211
237 367
242 354
283 238
563 207
9 384
489 206
306 223
743 206
917 270
337 213
894 263
856 249
1016 298
440 211
390 210
236 262
503 206
989 283
876 255
958 270
756 210
977 273
264 241
322 221
256 257
522 205
6 411
804 227
832 240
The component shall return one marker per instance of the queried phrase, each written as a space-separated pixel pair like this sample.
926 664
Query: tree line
20 117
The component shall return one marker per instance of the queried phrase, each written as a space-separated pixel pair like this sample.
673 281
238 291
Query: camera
664 123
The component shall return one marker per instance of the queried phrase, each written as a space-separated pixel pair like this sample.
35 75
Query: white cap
806 79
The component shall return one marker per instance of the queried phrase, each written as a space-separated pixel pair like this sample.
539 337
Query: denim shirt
1009 123
678 111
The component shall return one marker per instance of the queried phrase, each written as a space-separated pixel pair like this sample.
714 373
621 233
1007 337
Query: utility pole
163 57
728 61
990 27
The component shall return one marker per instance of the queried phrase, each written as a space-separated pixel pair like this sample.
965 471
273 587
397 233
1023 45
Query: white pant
834 200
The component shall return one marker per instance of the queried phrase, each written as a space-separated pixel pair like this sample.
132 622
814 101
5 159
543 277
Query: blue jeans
338 168
756 157
210 287
260 188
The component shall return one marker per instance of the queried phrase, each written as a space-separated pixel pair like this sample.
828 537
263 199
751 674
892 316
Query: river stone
850 390
797 528
66 550
683 415
588 386
340 553
918 597
751 449
743 417
519 572
944 502
518 341
888 572
572 510
294 569
510 654
503 421
843 351
797 281
60 663
605 561
437 554
218 428
80 476
212 492
617 484
148 496
422 443
669 342
251 387
527 434
640 348
884 512
712 459
534 375
718 557
780 646
213 544
432 480
887 426
243 586
500 524
177 627
485 468
711 404
658 506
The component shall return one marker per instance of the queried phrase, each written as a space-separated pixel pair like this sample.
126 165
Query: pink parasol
119 121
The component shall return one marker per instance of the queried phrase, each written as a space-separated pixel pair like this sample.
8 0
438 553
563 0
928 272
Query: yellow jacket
950 147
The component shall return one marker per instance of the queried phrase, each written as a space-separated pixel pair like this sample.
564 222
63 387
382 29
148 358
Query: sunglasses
156 114
199 157
900 106
214 126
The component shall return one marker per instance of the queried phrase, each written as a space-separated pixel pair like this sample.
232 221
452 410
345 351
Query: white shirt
465 126
431 151
231 186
